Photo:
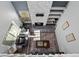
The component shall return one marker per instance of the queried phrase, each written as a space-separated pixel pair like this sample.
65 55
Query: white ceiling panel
39 7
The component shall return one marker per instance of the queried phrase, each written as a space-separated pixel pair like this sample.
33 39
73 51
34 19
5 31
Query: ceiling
47 12
21 8
40 8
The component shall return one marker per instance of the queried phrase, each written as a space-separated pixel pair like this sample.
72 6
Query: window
12 34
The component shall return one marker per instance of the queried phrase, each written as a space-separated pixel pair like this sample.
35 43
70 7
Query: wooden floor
50 36
46 34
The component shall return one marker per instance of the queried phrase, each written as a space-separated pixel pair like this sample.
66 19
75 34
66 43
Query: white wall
7 14
39 7
71 15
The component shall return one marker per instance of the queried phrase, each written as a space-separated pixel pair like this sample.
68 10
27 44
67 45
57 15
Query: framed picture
70 37
65 25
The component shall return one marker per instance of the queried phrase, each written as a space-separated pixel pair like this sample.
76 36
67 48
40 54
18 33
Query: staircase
56 11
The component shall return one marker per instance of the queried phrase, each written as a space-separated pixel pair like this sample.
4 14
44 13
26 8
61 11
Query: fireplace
42 44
